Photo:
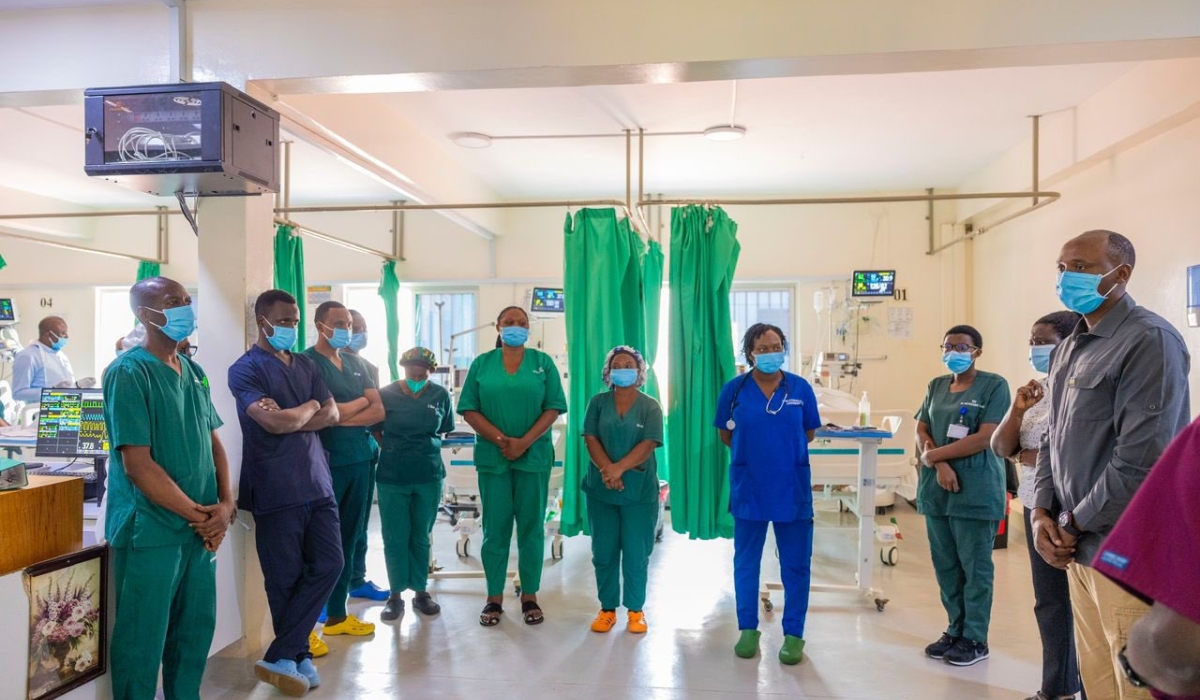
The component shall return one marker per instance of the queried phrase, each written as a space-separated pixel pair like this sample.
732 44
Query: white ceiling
47 4
805 135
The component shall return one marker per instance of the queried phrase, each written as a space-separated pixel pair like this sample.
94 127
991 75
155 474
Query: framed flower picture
67 622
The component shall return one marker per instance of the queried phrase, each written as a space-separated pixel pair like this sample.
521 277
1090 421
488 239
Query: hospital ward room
653 351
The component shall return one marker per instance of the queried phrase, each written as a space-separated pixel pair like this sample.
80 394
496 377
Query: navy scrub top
769 473
279 471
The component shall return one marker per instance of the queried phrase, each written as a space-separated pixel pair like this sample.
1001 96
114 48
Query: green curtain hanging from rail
602 284
146 270
704 254
389 291
289 275
652 279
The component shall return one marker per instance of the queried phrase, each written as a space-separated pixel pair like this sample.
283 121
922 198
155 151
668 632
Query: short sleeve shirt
981 475
350 444
770 477
146 404
513 403
413 427
618 435
279 471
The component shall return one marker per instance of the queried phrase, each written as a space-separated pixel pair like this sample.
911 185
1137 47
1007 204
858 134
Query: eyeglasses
191 350
958 347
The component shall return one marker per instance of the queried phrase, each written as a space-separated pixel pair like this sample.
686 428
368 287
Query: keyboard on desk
81 471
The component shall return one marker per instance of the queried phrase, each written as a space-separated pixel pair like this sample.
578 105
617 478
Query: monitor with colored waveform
71 424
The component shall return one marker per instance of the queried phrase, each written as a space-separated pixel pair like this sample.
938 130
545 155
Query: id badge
957 431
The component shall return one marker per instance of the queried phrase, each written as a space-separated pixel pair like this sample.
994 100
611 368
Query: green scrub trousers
406 514
507 496
168 601
350 485
962 562
622 540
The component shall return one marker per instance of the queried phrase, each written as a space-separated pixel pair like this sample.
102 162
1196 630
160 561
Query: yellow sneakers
351 626
317 646
605 621
637 623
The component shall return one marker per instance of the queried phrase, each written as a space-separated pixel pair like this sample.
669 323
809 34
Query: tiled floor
853 651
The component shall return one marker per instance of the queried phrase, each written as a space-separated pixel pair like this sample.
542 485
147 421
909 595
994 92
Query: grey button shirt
1120 396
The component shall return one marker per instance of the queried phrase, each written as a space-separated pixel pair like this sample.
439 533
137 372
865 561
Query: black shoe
966 653
938 649
424 604
393 611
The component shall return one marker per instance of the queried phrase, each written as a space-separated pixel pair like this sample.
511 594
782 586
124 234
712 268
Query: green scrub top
980 476
513 403
147 404
413 427
619 435
345 445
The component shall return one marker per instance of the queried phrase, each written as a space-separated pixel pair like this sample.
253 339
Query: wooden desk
41 521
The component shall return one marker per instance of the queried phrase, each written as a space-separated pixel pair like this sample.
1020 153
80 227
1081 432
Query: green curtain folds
3 262
704 254
389 291
603 286
146 270
652 279
289 275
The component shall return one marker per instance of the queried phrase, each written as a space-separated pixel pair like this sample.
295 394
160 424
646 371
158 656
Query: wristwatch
1130 675
1066 520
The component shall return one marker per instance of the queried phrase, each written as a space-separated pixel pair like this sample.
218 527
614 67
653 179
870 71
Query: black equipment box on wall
206 139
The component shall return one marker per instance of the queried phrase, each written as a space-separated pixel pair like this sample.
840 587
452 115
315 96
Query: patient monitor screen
547 300
8 312
874 283
71 424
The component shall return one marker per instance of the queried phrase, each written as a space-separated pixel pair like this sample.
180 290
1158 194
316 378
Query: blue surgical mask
623 377
1080 291
358 341
59 342
769 362
1039 357
181 321
514 336
282 337
340 338
416 386
958 362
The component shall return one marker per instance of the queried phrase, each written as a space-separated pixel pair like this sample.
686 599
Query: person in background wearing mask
349 446
282 402
43 364
1163 649
1120 394
767 417
168 503
417 414
961 492
622 429
511 397
360 586
1018 438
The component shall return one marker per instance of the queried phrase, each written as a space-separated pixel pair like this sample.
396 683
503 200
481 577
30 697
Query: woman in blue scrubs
767 417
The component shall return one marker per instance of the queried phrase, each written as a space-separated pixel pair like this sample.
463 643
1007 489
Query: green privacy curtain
146 270
704 254
602 284
389 291
3 262
652 279
289 274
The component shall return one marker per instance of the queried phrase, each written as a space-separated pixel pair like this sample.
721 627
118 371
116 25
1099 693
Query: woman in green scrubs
962 492
511 397
622 429
409 478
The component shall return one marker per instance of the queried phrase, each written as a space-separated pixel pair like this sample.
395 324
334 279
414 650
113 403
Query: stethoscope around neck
733 403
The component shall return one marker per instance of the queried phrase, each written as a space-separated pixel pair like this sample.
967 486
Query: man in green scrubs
349 448
360 585
168 504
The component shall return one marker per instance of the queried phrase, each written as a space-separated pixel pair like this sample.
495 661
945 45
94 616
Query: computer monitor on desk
71 426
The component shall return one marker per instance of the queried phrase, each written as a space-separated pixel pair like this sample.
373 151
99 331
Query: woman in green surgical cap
417 414
622 429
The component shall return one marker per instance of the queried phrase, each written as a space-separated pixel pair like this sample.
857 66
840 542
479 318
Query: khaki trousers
1104 612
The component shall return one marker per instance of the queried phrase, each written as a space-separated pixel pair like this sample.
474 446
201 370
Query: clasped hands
513 448
212 522
611 474
947 478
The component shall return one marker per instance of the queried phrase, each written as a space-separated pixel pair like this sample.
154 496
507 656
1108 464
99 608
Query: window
365 299
751 306
442 314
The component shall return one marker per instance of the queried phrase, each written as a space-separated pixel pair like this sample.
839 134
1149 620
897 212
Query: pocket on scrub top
634 480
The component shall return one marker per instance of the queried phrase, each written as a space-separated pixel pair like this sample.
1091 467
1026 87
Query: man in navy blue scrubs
282 401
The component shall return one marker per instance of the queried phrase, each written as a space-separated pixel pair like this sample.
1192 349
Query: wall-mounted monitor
8 312
873 283
547 300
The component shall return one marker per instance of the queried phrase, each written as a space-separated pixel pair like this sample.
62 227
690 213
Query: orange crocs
605 621
637 623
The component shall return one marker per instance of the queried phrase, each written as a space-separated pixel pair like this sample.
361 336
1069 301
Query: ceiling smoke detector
730 132
471 139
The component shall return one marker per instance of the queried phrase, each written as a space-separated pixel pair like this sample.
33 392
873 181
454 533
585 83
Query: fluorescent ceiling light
471 139
725 133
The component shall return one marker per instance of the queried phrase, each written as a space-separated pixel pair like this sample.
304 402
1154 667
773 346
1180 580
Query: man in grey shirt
1119 395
